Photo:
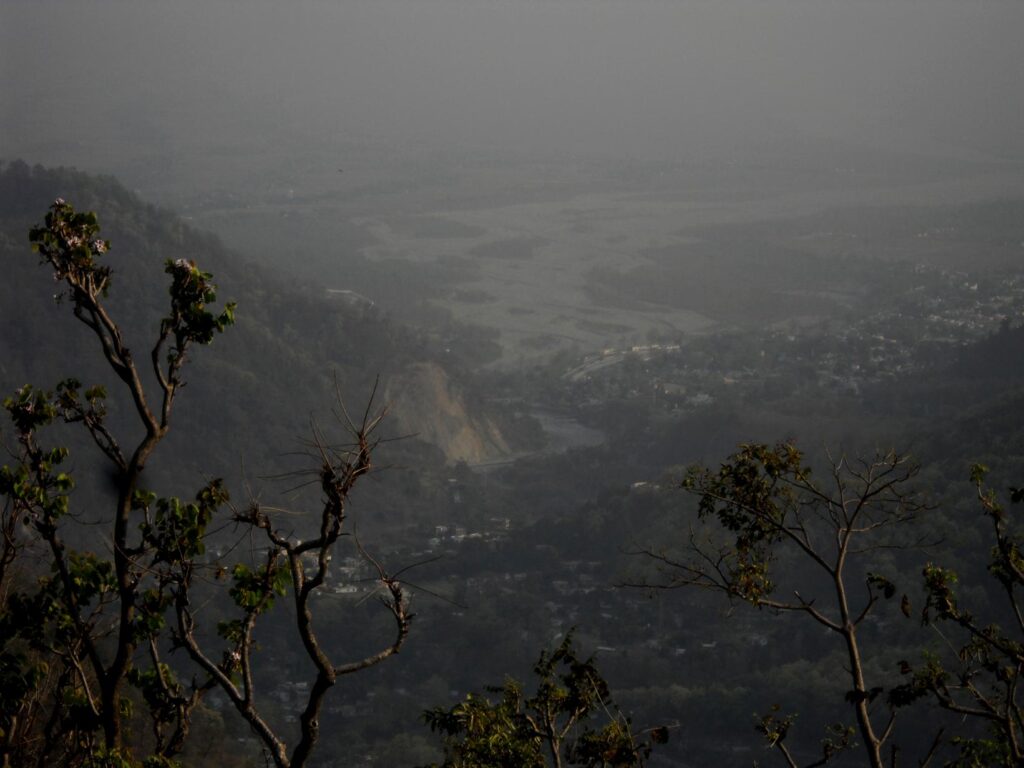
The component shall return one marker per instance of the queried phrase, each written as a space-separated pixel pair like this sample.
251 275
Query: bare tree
304 565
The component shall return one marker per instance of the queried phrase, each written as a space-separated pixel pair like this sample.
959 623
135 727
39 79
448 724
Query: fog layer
649 79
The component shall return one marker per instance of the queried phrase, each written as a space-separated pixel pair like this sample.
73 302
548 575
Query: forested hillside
294 351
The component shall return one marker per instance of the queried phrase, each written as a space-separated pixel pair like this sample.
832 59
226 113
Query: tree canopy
764 506
570 720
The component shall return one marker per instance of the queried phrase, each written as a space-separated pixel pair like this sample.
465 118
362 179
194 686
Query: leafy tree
764 503
569 720
85 638
982 680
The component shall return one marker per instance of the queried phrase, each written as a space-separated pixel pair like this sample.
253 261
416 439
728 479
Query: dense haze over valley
651 80
584 243
515 146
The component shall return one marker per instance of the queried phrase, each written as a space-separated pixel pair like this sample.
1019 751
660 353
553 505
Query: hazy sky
632 78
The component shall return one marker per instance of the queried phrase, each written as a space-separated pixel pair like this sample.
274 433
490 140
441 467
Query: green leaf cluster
67 241
751 496
191 291
175 531
254 588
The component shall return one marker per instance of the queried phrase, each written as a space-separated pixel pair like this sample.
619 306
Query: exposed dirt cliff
423 402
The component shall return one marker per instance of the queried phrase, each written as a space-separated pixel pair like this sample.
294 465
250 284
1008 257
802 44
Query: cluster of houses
922 325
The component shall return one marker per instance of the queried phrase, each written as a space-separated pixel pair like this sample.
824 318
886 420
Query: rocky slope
423 402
